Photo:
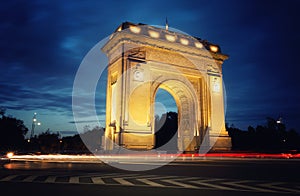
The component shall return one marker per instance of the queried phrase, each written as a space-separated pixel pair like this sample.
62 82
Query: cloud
68 132
19 97
42 44
84 121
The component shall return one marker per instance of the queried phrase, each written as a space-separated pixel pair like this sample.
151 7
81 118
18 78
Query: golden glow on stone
198 45
119 29
216 85
184 41
113 113
153 34
135 29
138 106
130 112
213 48
170 38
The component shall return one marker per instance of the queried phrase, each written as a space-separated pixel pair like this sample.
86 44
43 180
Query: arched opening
166 121
186 138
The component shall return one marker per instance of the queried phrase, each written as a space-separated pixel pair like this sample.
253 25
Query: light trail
149 157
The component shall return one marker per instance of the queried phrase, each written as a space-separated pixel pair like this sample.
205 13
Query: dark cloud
42 44
83 121
19 97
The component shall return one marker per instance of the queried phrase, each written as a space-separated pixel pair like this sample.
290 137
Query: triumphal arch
144 58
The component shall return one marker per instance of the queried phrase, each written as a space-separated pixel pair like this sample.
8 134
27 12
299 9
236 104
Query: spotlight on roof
213 48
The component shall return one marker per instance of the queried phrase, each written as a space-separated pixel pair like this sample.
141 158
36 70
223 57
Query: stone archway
143 59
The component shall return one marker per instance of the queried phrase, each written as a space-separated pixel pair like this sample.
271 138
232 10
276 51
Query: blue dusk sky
42 44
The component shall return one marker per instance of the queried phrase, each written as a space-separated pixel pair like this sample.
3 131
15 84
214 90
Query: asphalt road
202 177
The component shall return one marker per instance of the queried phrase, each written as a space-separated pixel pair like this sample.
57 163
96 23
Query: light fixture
34 123
170 38
198 45
135 29
153 34
184 41
214 48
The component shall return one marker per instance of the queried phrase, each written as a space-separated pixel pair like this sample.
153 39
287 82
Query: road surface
202 177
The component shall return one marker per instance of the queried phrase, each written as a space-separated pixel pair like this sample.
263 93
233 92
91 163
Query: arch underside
186 101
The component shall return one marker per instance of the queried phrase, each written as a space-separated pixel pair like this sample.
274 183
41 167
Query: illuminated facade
143 59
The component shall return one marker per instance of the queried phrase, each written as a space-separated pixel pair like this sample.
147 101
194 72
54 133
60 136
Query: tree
272 137
73 144
13 132
167 127
49 142
92 138
85 142
2 111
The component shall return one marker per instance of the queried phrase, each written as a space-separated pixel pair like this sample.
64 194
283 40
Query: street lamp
34 123
279 121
